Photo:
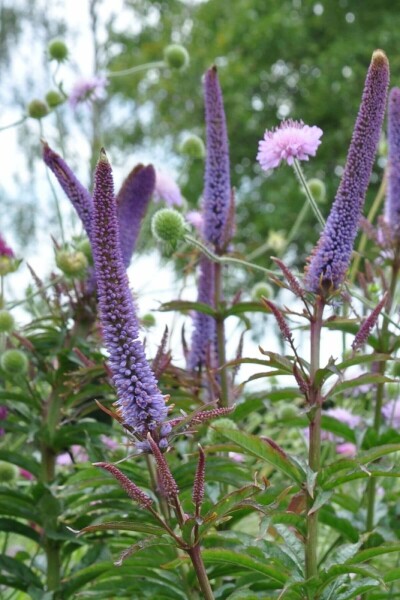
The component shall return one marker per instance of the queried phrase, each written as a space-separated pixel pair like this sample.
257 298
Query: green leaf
141 545
23 575
18 528
335 571
124 526
244 307
243 561
184 306
370 553
367 378
79 579
338 428
321 499
328 516
21 460
358 588
265 451
226 505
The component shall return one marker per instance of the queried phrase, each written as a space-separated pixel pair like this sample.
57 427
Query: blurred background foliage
282 59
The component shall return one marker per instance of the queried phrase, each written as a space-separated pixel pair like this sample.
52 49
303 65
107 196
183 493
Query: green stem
201 573
226 260
132 70
15 124
314 455
300 175
384 347
220 326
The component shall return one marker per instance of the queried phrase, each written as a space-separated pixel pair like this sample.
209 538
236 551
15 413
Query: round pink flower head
292 139
86 90
167 189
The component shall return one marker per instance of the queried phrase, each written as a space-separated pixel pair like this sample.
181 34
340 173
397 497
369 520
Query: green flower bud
37 109
72 264
8 472
261 290
84 246
193 146
288 412
148 320
317 189
176 56
276 241
213 436
168 226
6 321
54 98
14 362
58 50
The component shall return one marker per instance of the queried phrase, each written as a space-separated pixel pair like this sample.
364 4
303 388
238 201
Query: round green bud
8 472
6 321
276 241
289 411
54 98
14 362
168 226
58 50
176 56
37 109
72 264
317 189
213 436
8 265
261 290
193 146
148 320
84 246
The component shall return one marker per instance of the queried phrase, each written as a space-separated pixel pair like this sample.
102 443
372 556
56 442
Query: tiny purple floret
330 258
140 403
292 139
392 205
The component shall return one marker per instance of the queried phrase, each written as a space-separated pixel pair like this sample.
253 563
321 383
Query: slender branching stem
314 456
201 573
300 176
381 366
132 70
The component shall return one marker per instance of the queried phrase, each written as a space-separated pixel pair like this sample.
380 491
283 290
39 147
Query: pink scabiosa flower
167 189
140 403
195 218
5 250
347 449
292 139
330 259
87 90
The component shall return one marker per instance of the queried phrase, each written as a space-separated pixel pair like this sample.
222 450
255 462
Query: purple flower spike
217 185
141 404
78 195
392 206
204 332
132 201
330 259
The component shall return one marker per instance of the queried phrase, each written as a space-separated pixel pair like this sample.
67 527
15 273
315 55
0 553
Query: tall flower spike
217 185
392 206
141 404
204 331
132 202
78 195
330 258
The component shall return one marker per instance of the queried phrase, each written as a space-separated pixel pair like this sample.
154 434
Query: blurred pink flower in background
195 218
79 454
167 189
88 89
347 449
391 412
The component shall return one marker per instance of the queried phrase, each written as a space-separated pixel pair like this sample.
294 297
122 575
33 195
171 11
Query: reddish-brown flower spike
127 485
369 323
294 284
198 486
283 326
169 487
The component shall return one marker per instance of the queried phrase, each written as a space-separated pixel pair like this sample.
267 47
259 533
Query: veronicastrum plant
220 492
